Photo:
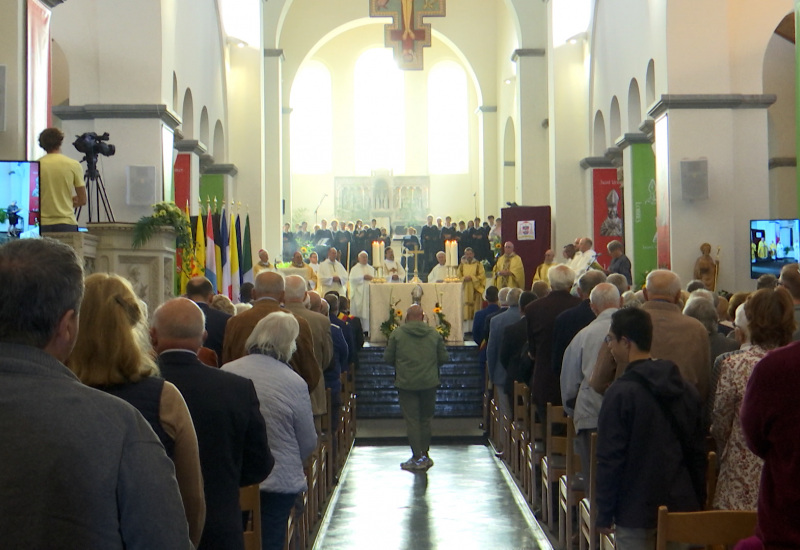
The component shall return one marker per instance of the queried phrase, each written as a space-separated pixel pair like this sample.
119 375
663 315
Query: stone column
729 131
533 149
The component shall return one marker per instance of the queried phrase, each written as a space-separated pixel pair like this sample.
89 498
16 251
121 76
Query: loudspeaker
141 189
694 179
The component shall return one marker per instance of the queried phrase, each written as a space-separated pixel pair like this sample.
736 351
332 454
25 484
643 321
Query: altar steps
459 396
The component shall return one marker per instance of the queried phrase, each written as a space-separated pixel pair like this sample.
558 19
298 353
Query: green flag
246 261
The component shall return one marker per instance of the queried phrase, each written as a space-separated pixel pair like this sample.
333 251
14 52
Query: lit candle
374 254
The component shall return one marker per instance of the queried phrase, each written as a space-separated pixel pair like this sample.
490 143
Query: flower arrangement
393 321
443 326
497 246
165 214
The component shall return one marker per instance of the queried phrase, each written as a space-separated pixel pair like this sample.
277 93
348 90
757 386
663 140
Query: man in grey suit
80 468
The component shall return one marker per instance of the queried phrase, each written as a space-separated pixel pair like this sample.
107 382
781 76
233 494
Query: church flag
211 262
247 254
199 248
234 263
239 247
185 257
225 255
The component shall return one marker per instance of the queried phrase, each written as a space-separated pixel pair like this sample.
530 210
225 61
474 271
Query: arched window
379 113
448 122
311 130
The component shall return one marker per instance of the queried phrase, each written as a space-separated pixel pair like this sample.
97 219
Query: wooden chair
568 495
711 479
520 427
533 450
553 464
587 511
290 542
707 528
250 503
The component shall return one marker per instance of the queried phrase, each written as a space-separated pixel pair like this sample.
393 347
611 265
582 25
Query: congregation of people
227 397
233 395
662 375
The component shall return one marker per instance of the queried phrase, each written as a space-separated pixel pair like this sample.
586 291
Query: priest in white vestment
439 272
332 275
582 261
360 276
394 272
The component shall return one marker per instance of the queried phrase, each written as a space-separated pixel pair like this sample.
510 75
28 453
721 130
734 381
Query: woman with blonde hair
767 323
112 354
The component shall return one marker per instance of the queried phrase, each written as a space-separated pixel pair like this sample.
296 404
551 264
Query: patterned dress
740 469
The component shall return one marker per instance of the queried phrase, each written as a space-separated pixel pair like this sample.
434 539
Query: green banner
643 183
212 187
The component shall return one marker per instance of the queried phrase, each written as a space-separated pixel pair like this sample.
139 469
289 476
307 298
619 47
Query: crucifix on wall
407 34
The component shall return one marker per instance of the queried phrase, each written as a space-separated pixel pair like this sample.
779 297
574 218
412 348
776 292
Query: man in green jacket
416 351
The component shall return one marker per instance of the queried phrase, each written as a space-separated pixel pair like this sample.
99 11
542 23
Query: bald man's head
662 284
269 285
178 324
315 302
414 313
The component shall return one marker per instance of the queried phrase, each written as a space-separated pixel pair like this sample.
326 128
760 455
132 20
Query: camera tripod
94 181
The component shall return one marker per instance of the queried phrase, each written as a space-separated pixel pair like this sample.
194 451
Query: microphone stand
317 208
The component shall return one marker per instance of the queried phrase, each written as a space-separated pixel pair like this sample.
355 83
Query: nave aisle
465 502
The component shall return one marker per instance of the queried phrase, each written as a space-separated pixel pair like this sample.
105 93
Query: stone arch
650 84
204 134
219 142
599 141
174 92
59 79
187 115
615 121
778 76
634 106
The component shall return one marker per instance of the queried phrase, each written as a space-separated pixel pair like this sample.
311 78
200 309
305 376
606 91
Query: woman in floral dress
768 323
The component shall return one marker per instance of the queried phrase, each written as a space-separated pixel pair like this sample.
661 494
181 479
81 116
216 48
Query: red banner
608 212
183 175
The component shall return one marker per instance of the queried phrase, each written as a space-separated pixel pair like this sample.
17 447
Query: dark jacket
514 354
568 324
216 321
231 436
640 461
541 314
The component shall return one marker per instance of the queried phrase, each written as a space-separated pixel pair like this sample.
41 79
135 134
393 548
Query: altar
447 294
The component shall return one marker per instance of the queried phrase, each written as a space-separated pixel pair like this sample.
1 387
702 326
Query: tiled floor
464 502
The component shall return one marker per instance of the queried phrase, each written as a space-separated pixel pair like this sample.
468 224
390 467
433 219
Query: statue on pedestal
705 268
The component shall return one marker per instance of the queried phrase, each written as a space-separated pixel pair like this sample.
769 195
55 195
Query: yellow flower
399 313
437 310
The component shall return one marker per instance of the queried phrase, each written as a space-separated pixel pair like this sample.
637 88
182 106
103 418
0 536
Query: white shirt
438 273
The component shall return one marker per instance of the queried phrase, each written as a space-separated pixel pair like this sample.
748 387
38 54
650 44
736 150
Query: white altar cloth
447 294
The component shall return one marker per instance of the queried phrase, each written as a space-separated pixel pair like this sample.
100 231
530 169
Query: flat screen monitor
773 244
19 199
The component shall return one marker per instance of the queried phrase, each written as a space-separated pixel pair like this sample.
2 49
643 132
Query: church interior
674 119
